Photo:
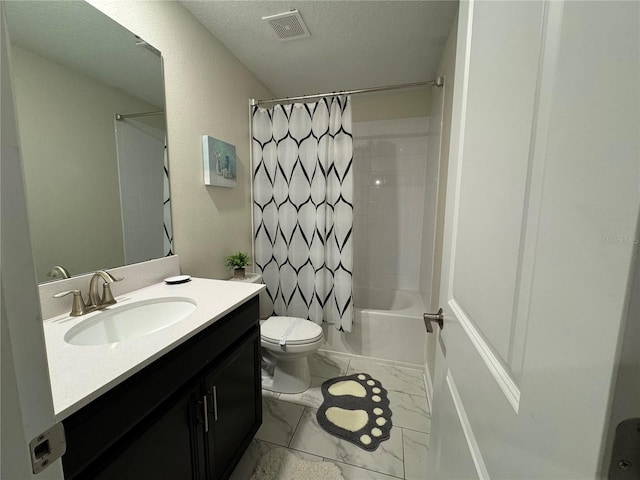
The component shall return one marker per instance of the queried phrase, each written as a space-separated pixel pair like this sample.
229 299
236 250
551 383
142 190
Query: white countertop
79 374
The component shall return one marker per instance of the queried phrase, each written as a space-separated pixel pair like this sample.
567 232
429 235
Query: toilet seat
292 330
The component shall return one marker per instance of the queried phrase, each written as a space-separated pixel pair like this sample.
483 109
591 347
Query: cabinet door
235 406
170 447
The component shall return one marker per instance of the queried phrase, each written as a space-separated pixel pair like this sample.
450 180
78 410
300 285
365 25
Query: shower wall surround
141 189
390 166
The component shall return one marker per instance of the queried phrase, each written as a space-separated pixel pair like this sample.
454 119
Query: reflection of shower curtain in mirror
144 191
303 208
166 197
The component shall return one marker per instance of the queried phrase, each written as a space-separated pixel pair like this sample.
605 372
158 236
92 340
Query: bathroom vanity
188 410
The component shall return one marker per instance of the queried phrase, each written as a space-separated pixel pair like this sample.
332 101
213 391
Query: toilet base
289 376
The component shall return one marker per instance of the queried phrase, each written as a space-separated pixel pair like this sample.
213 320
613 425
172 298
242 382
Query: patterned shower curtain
303 208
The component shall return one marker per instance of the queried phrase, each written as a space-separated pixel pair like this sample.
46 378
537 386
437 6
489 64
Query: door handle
433 317
206 414
215 404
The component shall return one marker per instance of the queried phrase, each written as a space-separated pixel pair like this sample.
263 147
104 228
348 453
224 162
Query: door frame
27 403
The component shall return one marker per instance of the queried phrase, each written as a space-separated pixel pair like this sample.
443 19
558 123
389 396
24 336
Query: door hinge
47 447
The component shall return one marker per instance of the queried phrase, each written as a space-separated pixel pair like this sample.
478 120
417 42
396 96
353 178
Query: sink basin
119 323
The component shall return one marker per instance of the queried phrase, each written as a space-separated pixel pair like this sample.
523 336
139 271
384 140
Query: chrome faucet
95 302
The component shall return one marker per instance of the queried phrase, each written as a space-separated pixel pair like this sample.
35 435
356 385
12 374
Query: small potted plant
237 261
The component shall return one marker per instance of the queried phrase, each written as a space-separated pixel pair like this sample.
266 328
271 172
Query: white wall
207 91
390 104
389 185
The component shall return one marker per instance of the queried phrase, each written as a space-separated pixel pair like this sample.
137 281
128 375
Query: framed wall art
219 162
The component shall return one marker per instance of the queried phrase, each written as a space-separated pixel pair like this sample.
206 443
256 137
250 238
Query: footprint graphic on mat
356 408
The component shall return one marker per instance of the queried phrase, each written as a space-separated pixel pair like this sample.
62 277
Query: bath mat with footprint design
356 408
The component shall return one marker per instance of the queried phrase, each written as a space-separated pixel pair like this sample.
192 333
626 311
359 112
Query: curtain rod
438 82
145 114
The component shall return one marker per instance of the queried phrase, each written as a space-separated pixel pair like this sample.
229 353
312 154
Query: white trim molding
498 370
474 448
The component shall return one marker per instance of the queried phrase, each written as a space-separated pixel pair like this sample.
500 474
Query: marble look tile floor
290 421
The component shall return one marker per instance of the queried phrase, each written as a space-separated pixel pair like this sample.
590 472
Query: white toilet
286 344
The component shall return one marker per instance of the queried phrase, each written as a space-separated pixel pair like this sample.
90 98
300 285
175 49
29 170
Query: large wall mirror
90 107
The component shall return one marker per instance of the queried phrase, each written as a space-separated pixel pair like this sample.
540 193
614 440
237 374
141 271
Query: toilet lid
303 332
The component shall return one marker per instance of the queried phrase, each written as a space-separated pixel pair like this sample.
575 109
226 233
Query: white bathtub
387 324
385 300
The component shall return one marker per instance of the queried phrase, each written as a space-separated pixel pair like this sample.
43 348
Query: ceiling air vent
288 25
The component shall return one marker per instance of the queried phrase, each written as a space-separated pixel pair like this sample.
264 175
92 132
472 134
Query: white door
541 217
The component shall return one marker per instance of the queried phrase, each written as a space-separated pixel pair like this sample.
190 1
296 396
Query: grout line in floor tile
414 430
307 453
404 470
297 425
287 401
402 391
361 468
270 443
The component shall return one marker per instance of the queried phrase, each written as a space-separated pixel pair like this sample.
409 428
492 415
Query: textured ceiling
78 36
353 44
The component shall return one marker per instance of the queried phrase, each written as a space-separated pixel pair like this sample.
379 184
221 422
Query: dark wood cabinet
171 446
189 415
235 407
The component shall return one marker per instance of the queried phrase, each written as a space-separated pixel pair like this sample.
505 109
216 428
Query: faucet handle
111 279
78 308
107 296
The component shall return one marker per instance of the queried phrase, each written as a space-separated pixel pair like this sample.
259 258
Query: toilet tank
257 278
